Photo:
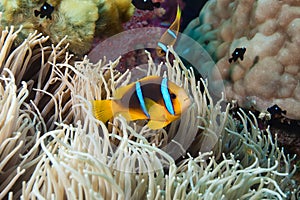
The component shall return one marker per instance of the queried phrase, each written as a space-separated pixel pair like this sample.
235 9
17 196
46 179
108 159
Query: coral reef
54 147
80 20
269 73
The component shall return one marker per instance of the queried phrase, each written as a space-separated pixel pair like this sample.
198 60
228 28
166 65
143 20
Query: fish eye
173 96
45 10
47 7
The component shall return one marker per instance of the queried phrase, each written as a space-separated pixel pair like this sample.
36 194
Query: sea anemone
53 147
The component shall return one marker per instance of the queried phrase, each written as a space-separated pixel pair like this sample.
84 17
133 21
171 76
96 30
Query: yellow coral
81 20
82 11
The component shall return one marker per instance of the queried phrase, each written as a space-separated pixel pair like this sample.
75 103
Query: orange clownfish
153 98
170 36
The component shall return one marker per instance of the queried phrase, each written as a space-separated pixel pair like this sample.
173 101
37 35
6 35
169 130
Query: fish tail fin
284 112
170 36
176 23
36 13
156 4
178 14
102 109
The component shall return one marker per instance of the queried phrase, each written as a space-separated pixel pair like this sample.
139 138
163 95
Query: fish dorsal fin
147 78
120 92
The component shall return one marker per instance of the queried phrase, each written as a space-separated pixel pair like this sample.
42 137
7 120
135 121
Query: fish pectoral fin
102 110
156 111
158 115
154 125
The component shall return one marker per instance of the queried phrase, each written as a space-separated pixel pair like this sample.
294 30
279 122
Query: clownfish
170 36
152 98
145 4
238 53
45 11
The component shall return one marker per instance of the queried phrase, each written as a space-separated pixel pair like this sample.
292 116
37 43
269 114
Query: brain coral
81 20
270 30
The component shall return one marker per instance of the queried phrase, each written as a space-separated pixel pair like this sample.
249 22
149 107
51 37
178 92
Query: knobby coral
55 148
80 20
270 71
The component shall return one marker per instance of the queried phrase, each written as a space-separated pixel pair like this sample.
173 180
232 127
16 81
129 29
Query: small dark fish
45 11
145 4
276 111
238 53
